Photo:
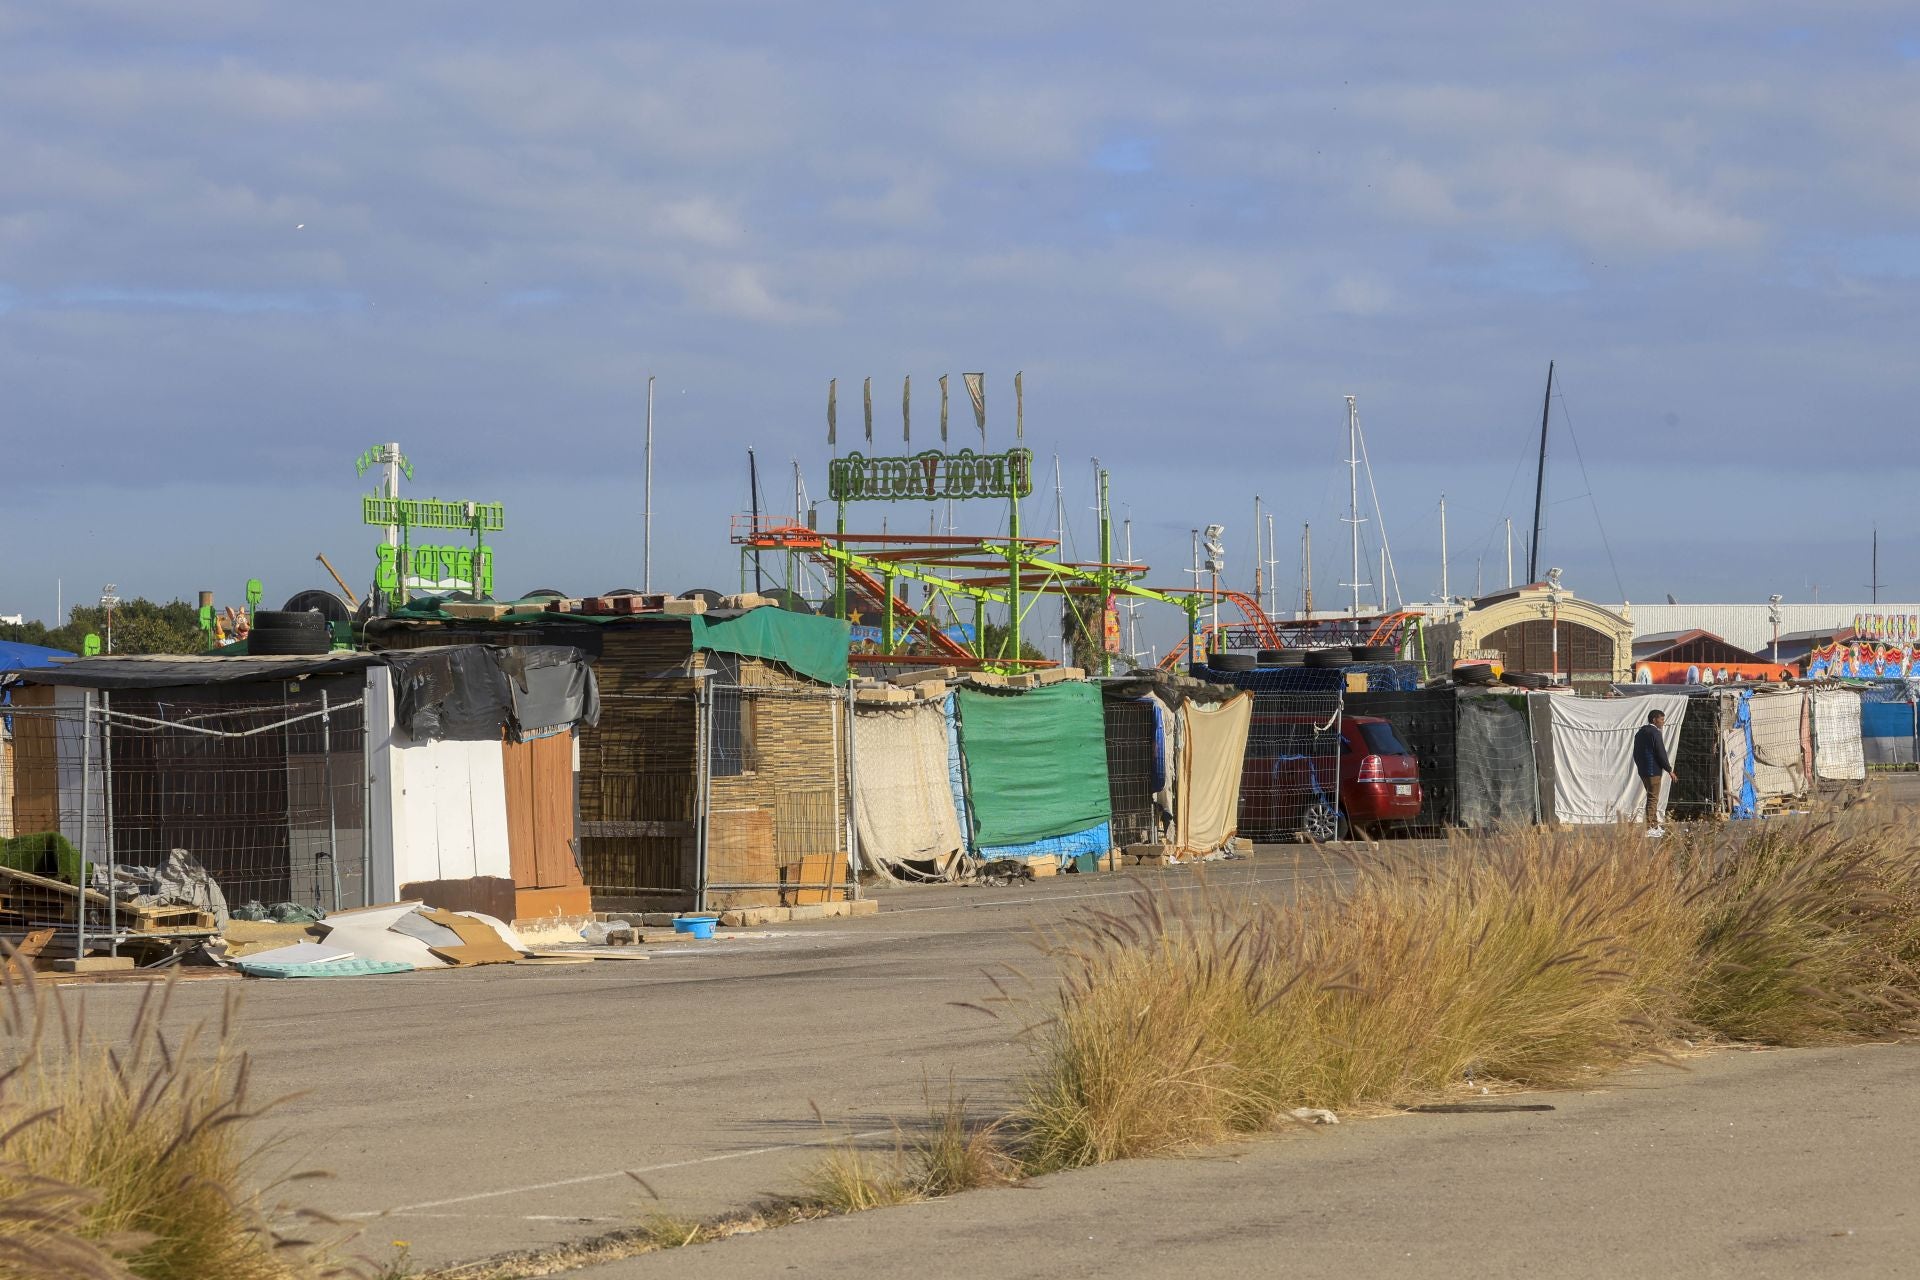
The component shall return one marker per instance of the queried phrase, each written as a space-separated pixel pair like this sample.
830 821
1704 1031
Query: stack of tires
277 633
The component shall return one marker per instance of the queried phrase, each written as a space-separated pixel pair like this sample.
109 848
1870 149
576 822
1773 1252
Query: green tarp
810 644
1036 762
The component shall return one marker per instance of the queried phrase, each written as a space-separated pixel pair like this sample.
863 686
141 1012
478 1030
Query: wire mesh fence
1136 769
1291 781
777 781
1425 720
639 794
102 788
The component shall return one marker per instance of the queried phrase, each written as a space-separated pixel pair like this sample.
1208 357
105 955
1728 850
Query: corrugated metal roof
1748 625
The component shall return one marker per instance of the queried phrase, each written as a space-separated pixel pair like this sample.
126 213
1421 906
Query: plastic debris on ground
352 967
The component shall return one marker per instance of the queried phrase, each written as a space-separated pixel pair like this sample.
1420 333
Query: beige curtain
1213 750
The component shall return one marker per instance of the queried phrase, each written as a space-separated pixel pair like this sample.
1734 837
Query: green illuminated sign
433 513
435 569
376 456
931 476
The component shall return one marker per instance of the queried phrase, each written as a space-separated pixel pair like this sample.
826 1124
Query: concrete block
745 600
990 679
812 911
683 607
939 674
1025 680
887 694
657 919
1057 675
92 964
864 907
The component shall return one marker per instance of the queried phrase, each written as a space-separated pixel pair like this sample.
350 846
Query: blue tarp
25 657
1382 677
1095 840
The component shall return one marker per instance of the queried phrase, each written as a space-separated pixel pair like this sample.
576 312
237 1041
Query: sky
241 242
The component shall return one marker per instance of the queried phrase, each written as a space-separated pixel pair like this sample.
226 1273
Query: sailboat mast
1540 482
1353 495
1444 596
1306 570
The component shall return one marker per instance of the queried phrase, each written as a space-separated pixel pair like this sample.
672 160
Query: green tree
997 638
139 626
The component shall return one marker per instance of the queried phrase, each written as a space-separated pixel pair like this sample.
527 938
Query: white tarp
1837 751
1779 742
902 794
1593 775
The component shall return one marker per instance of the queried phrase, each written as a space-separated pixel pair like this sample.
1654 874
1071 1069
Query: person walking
1651 763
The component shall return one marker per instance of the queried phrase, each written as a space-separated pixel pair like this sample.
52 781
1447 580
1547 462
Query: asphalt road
1788 1163
477 1111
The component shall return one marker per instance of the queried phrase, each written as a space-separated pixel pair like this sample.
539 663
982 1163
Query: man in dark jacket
1651 763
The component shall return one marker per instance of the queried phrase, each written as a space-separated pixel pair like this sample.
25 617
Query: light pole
1216 561
1553 596
107 602
1773 616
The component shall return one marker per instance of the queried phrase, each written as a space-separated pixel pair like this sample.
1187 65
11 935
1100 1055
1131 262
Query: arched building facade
1517 629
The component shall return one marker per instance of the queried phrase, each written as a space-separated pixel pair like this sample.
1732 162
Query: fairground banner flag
943 407
866 394
833 395
1019 410
977 392
906 408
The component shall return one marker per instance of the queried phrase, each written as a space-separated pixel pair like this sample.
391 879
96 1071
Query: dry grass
128 1155
1535 959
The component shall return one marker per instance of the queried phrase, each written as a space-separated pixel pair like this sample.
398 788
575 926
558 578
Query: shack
718 772
326 781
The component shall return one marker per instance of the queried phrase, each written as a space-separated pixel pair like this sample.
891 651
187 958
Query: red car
1291 784
1379 776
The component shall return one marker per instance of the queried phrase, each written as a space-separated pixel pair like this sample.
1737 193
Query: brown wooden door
539 776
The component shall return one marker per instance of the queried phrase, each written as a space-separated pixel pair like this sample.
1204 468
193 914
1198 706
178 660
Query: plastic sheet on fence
1837 754
1495 781
1096 840
902 796
471 692
1777 723
1593 774
1382 677
1887 725
1036 762
1207 789
552 687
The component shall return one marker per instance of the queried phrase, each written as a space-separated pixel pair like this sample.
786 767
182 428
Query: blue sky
239 242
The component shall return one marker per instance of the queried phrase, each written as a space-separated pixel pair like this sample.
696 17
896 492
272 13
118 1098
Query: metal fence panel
267 796
777 791
1292 778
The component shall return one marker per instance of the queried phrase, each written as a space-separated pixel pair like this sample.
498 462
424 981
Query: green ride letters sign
434 569
931 476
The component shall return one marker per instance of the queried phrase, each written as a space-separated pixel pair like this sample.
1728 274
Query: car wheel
1322 822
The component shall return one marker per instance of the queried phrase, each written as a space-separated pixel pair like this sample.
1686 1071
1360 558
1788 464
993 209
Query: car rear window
1381 740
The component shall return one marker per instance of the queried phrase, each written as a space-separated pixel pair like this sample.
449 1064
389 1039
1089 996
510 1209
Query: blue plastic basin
698 926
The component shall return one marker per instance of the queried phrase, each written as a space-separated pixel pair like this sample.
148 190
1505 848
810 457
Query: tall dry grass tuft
1810 934
132 1148
1533 959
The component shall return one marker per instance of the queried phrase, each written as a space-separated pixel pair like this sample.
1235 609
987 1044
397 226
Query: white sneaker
1654 833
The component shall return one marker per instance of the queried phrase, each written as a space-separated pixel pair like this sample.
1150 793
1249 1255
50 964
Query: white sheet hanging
1838 754
1593 775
